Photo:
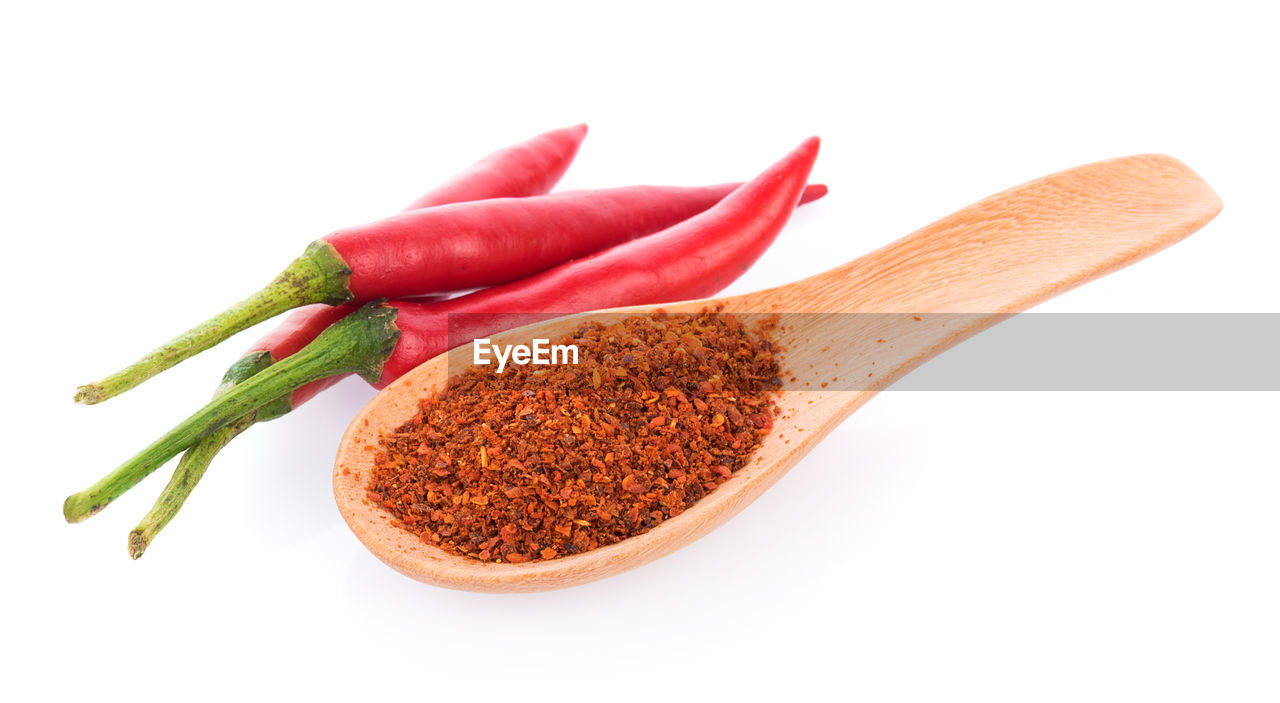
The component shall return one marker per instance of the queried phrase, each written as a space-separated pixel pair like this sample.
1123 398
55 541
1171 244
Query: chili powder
540 462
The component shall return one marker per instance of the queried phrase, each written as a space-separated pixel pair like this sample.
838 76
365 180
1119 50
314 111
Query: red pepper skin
532 167
693 259
489 242
813 192
298 329
303 325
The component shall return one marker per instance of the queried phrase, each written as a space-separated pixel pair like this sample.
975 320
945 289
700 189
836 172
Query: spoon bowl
979 266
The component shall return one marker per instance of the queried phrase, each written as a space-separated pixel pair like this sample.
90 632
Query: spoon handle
932 289
1018 248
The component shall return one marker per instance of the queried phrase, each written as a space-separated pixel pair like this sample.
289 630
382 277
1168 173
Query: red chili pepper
532 167
382 340
447 248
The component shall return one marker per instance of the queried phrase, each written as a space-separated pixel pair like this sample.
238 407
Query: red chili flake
542 462
630 485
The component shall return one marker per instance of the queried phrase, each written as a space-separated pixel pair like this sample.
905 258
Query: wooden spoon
984 263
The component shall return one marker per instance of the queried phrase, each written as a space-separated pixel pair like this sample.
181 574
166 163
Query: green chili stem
318 276
195 461
358 343
190 470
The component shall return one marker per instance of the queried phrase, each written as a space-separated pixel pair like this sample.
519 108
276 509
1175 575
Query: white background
159 161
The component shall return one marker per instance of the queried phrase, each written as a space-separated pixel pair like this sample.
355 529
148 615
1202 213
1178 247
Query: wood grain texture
984 263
